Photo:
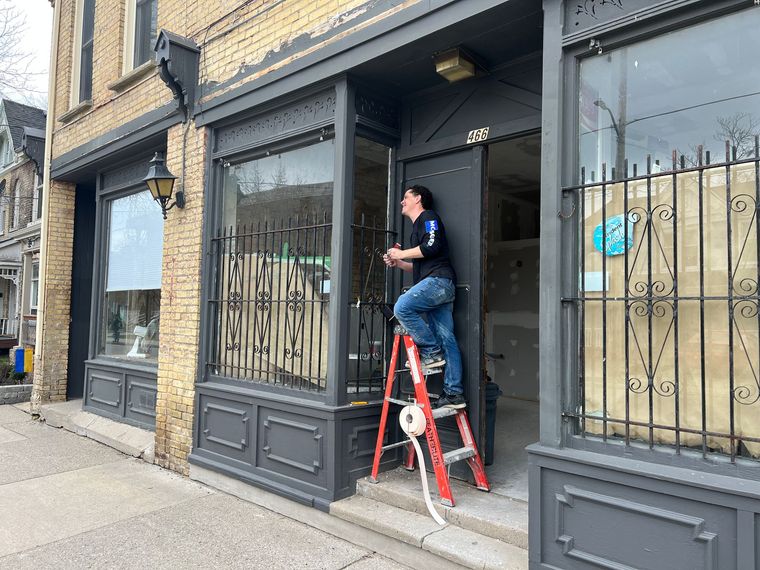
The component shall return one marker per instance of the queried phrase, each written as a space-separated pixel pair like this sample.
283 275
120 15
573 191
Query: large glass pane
670 263
130 316
146 25
273 269
85 63
697 86
366 358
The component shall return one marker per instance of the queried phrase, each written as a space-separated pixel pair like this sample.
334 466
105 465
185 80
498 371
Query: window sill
132 77
76 111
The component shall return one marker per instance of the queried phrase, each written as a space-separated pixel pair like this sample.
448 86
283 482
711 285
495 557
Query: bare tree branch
16 65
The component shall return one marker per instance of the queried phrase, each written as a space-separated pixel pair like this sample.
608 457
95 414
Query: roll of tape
412 420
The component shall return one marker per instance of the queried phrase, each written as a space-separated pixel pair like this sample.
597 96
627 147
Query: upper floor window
82 84
140 32
16 207
6 156
35 288
37 198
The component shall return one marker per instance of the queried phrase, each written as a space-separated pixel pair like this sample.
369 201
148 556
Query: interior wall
512 278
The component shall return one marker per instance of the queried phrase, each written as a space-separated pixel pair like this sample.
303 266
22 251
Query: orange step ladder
440 460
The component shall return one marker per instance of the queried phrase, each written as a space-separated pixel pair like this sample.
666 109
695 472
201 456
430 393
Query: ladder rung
439 413
397 444
458 455
399 402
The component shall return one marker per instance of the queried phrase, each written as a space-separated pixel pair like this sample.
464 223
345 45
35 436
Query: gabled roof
20 116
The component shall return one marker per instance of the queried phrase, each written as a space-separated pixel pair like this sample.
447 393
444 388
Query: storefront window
273 266
670 266
692 87
129 324
366 358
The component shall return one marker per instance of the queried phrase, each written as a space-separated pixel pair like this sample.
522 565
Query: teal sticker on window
615 242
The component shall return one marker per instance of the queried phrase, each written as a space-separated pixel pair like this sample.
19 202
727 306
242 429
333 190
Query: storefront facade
582 153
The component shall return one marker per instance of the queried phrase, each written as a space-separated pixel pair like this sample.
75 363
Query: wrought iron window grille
668 304
270 302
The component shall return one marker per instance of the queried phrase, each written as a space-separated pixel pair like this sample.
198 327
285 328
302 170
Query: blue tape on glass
614 236
431 226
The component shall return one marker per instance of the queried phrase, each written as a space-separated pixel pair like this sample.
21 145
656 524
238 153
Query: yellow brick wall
53 331
180 304
231 40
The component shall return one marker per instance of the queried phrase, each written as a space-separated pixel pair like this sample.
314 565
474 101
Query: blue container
19 367
492 397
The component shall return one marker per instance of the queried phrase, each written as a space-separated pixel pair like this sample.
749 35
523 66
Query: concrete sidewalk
69 502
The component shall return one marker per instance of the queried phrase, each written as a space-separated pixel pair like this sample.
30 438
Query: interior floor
516 428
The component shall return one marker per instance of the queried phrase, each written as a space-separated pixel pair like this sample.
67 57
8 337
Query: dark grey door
81 288
456 180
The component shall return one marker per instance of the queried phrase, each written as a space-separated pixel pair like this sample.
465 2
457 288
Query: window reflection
130 318
692 87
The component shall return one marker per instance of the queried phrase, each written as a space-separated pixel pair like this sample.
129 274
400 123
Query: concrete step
495 516
451 543
127 439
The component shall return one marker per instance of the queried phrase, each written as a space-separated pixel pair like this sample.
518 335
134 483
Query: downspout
53 72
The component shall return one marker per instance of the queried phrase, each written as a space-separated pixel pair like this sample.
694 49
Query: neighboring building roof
20 116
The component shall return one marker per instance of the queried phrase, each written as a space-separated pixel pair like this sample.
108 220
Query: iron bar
269 325
729 272
638 283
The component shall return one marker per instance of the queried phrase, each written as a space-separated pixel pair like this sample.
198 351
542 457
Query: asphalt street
69 502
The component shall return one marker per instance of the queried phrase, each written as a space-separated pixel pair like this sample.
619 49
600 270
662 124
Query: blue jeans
433 297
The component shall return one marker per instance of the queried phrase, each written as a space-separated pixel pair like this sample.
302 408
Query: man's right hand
388 261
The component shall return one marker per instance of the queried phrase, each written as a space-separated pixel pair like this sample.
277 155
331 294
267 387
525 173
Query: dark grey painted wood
645 15
117 145
305 450
456 180
439 120
416 21
343 200
551 370
619 513
121 391
81 288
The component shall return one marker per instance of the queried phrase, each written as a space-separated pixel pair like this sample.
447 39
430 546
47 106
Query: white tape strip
412 420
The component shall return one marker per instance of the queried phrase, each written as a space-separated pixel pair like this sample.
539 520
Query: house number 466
477 135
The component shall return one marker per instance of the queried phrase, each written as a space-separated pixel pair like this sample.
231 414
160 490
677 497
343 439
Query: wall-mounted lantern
161 184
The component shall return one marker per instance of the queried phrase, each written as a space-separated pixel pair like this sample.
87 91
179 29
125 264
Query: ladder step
395 445
458 455
399 402
439 413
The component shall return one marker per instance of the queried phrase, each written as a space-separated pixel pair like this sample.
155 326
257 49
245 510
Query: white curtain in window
135 243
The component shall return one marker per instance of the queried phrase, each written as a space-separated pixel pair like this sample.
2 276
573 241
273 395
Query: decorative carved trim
567 500
375 109
128 175
242 414
106 379
283 121
136 407
310 430
590 7
355 435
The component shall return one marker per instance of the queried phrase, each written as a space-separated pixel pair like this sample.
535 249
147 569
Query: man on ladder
432 294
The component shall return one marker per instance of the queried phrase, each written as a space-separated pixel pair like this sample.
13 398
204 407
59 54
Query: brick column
54 315
180 304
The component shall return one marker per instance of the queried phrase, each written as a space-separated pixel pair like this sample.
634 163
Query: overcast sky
37 36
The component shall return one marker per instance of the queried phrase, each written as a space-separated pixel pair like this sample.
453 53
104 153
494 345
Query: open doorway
511 305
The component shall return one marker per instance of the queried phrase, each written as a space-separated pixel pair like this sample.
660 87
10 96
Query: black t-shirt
428 233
